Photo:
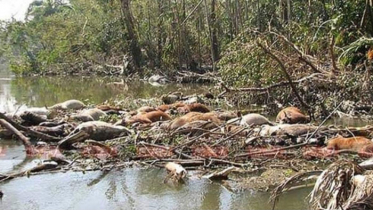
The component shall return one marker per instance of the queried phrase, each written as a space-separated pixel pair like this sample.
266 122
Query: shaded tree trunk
325 15
284 10
258 16
160 33
367 19
179 34
199 29
134 45
288 4
228 10
185 38
214 36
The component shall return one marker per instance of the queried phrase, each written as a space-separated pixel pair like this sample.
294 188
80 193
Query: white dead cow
175 171
69 104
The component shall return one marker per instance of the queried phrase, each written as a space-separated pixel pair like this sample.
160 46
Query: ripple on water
130 189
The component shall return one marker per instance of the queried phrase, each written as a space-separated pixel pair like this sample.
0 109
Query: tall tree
214 36
132 35
367 19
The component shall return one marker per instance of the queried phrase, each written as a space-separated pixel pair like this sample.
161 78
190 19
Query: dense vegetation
79 35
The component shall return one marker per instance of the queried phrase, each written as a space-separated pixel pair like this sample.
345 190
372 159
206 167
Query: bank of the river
118 189
127 188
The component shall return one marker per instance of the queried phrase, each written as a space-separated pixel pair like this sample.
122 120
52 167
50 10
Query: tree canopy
62 37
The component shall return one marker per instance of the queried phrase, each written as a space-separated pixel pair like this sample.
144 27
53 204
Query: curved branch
265 89
266 50
302 56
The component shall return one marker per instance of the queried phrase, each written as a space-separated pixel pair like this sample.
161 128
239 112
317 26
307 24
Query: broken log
26 141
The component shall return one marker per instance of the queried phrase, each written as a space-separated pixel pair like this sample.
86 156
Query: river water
18 92
118 189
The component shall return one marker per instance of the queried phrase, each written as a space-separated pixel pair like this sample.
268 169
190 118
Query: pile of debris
181 135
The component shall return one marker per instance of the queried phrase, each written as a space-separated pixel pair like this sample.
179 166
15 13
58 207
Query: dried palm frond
334 187
362 193
355 46
295 180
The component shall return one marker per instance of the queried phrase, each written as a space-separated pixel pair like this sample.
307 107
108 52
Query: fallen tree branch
229 137
38 168
268 88
26 141
271 151
223 174
290 183
313 67
266 50
302 56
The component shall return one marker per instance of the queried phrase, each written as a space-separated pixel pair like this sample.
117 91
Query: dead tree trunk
211 22
228 11
258 15
134 44
367 19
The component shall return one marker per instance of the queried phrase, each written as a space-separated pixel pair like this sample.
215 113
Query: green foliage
244 64
67 37
310 29
356 51
57 34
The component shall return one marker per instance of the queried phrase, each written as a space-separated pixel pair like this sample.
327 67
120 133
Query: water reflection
46 91
131 189
12 156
